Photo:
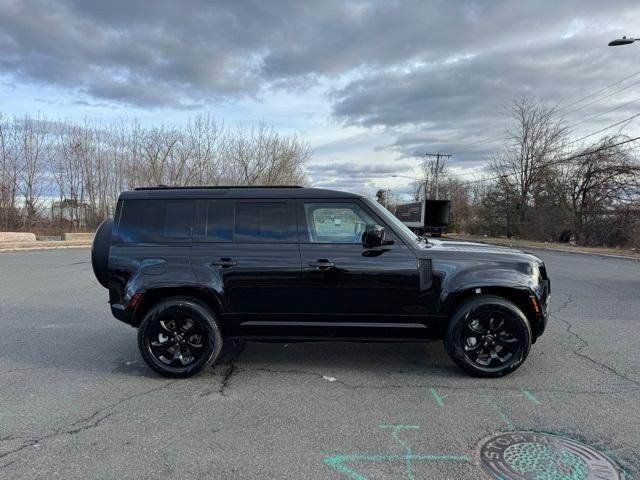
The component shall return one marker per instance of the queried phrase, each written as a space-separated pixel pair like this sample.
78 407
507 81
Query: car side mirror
374 236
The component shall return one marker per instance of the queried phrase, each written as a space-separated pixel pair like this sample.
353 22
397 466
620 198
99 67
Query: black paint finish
286 287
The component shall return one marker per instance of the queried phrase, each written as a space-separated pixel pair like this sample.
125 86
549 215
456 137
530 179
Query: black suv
193 267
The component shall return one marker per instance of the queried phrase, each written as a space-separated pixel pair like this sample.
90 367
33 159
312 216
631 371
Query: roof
234 192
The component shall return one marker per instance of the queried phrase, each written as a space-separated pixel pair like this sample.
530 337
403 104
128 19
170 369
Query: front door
353 290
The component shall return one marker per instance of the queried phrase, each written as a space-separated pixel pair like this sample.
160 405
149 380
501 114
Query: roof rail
213 187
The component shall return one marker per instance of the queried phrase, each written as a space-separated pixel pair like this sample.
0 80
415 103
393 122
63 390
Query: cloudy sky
371 85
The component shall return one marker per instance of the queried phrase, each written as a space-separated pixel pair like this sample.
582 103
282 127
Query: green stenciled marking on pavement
338 462
501 414
529 396
400 427
439 398
394 431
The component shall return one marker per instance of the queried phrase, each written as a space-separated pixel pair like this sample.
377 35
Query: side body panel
277 290
361 292
461 272
259 288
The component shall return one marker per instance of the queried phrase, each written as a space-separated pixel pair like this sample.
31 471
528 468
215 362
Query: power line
589 134
492 139
603 129
560 147
437 155
604 113
562 160
602 98
599 91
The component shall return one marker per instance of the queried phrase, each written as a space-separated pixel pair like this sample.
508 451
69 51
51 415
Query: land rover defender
192 268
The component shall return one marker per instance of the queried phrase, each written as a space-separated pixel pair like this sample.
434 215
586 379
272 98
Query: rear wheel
488 336
179 337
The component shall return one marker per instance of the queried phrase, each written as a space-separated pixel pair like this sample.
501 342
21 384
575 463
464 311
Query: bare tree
33 150
261 156
536 138
598 186
78 170
9 172
64 169
205 141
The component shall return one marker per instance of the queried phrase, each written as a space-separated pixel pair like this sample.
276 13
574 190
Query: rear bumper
123 314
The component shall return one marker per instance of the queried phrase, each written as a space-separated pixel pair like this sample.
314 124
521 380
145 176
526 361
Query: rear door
247 250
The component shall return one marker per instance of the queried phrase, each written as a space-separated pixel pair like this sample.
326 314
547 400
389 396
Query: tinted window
178 218
262 222
336 222
219 221
148 221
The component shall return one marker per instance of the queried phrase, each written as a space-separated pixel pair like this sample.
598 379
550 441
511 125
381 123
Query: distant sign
411 214
429 213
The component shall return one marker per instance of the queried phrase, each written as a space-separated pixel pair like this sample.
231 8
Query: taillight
135 300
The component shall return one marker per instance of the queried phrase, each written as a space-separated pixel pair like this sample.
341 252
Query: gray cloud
432 75
462 106
229 48
356 176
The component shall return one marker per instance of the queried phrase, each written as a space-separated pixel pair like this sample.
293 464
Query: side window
214 221
178 218
150 221
262 222
336 222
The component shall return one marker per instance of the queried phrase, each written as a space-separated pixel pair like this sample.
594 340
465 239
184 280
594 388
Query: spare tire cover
100 252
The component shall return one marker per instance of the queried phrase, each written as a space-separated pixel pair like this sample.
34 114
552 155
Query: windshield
390 218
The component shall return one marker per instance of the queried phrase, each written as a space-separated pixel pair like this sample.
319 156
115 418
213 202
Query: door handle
224 263
322 264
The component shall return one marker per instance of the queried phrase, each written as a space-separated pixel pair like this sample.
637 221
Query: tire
506 331
100 252
176 330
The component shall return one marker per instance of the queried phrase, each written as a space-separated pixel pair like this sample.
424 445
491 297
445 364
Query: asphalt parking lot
76 400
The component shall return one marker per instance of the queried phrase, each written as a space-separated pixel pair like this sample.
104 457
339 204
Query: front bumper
541 318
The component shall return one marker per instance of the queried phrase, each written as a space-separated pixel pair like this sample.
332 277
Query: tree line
542 185
63 176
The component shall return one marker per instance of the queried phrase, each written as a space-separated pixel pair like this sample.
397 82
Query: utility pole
438 156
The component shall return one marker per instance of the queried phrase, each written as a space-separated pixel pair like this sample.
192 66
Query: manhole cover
538 456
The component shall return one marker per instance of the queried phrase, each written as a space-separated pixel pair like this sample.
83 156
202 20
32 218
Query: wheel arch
153 296
521 297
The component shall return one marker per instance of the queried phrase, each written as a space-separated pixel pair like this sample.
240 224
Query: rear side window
151 221
214 221
258 222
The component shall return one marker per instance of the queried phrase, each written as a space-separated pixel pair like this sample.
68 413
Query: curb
44 247
635 258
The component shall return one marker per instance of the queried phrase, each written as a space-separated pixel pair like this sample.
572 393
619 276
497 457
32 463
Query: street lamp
416 180
622 41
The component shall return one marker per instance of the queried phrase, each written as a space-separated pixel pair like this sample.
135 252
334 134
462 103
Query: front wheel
179 337
488 336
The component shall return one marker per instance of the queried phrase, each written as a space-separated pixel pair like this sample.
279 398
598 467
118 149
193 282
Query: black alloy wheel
179 337
488 336
491 338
